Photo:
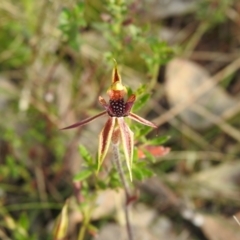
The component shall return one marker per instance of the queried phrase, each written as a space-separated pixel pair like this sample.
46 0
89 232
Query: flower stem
85 223
118 163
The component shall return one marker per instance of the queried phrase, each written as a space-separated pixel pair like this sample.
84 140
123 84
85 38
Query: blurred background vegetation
56 59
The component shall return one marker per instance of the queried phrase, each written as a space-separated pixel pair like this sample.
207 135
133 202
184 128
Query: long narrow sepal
128 142
116 90
105 139
85 121
141 120
115 74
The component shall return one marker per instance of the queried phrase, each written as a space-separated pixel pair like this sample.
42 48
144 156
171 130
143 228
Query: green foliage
141 171
19 227
158 140
64 49
141 101
81 176
15 51
70 22
213 11
36 40
161 53
114 31
142 96
85 154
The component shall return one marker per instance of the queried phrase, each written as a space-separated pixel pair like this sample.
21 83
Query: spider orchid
115 128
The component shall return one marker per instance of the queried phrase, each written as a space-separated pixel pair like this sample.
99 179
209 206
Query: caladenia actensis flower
115 129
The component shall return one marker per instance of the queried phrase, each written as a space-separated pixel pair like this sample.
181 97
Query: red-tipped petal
128 142
129 103
103 102
141 120
85 121
105 139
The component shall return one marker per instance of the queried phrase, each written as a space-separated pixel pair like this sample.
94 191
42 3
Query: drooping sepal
127 142
85 121
141 120
105 139
115 74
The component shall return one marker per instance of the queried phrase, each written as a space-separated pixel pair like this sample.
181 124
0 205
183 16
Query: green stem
83 229
118 163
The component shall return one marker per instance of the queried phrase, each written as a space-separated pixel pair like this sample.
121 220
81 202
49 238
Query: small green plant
115 128
114 131
70 22
213 11
123 37
38 41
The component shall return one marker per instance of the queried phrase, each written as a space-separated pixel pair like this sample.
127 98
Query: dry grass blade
236 219
227 128
231 68
184 128
231 112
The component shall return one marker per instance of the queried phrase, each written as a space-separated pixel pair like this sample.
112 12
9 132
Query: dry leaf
219 228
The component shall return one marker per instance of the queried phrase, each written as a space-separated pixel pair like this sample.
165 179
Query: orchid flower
115 128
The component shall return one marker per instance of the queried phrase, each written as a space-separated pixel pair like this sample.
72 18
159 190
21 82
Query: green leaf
147 173
141 101
141 131
141 171
137 174
149 156
92 229
85 154
158 141
13 167
82 175
135 154
102 185
114 181
24 221
129 91
141 89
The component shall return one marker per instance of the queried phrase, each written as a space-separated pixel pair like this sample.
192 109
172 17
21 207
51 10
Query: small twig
235 218
194 40
118 163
